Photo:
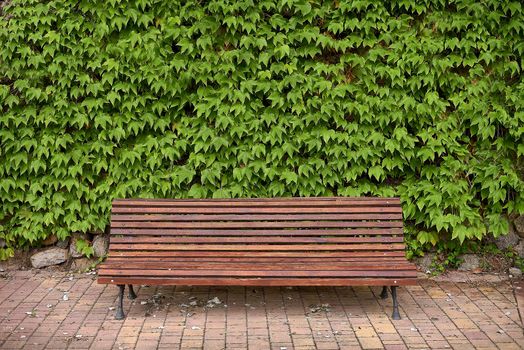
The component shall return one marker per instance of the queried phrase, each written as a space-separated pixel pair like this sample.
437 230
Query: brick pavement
54 310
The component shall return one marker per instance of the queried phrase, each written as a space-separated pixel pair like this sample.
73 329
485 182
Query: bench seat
258 242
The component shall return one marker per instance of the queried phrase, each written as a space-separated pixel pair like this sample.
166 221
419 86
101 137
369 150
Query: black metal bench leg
396 314
131 294
384 294
120 307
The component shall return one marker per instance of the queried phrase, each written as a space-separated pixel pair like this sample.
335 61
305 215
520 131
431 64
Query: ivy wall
146 98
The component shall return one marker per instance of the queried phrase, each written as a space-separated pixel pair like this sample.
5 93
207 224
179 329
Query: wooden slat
253 217
257 232
247 266
258 202
257 260
252 210
254 273
251 254
256 224
248 247
254 239
282 282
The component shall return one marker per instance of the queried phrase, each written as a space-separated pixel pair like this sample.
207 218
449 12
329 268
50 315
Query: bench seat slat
243 254
331 266
255 260
277 282
255 239
267 247
258 232
225 262
256 224
257 273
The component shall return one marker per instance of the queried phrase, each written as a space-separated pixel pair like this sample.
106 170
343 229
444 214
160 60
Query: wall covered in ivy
146 98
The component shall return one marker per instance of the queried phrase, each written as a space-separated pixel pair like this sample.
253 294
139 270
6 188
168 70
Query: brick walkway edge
42 310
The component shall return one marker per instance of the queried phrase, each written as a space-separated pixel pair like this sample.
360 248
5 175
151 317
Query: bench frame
109 271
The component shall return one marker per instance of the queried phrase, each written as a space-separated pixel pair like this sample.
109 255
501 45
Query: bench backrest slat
258 202
341 228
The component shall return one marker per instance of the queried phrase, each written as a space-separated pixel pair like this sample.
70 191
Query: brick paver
46 310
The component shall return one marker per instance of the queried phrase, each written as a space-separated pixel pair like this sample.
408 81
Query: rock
519 249
424 263
507 241
470 262
72 247
515 272
100 245
48 257
519 225
50 240
63 243
82 264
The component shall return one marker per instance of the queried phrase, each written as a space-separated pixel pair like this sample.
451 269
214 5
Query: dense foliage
147 98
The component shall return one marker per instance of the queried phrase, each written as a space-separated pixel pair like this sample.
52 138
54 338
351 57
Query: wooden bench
257 242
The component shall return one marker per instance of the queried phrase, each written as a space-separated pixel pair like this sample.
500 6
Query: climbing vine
150 98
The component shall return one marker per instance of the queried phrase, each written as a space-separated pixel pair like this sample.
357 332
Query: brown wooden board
250 254
253 217
277 282
255 239
251 265
264 247
259 202
255 210
255 224
255 273
255 260
257 232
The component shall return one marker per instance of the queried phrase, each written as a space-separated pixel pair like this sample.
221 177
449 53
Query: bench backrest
225 229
